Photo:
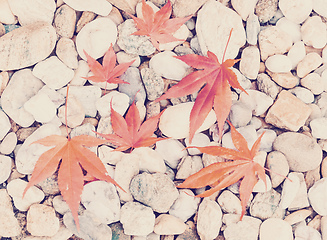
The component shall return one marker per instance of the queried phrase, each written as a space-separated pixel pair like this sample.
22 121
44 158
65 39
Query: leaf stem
230 34
66 113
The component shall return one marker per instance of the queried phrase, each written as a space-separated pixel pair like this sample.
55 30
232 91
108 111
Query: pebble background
282 46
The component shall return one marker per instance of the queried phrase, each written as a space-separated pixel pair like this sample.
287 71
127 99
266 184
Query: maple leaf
73 157
223 174
157 25
129 132
216 78
107 72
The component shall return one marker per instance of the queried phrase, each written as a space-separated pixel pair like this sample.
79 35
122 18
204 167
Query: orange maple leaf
129 132
157 25
216 93
107 72
223 174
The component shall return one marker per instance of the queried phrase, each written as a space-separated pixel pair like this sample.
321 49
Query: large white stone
6 15
314 32
279 63
296 10
244 7
275 228
100 7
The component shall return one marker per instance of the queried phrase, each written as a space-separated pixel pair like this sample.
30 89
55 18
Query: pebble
267 86
244 8
49 185
320 7
123 57
171 150
298 148
185 205
85 18
267 139
291 28
75 112
265 10
80 73
31 50
298 216
246 229
153 83
199 140
277 163
96 45
9 225
33 195
6 15
279 63
155 190
252 29
250 62
137 219
215 18
33 11
54 73
64 21
318 128
28 154
240 114
135 89
296 53
188 165
174 122
310 62
108 155
244 82
8 143
279 116
273 40
66 52
296 11
257 101
306 233
149 160
42 220
118 232
90 227
100 7
209 219
41 107
304 94
275 228
285 80
182 33
314 32
60 205
301 199
166 224
133 44
101 198
120 103
229 202
313 82
317 196
182 9
321 103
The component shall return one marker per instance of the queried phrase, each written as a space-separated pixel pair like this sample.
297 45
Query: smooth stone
6 15
30 49
8 143
155 190
9 225
149 160
153 83
310 62
257 101
65 21
199 140
298 216
279 63
240 114
277 163
42 220
133 44
123 57
80 73
275 228
321 103
108 155
304 94
28 154
267 140
229 202
119 101
66 52
291 28
183 9
174 122
320 7
252 29
166 65
300 199
246 229
318 128
209 219
296 53
49 185
244 82
125 5
298 148
214 23
314 32
279 116
185 205
266 10
75 112
33 195
166 224
188 165
118 232
100 7
244 8
33 11
137 219
313 82
285 80
53 72
273 40
250 62
5 166
296 11
306 233
171 150
317 196
267 86
101 198
96 37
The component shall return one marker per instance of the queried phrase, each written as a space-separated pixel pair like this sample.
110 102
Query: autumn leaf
158 26
108 71
223 174
216 79
73 157
129 132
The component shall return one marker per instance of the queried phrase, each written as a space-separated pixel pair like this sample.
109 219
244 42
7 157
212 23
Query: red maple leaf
129 132
157 25
223 174
216 78
108 71
73 157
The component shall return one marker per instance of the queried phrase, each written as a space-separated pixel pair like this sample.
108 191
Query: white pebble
279 63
